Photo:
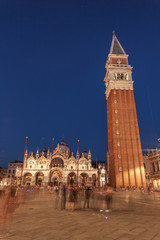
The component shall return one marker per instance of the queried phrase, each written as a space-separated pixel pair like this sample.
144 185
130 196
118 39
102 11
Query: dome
64 148
45 149
84 153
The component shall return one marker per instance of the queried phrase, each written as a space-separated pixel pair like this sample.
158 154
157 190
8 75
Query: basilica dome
65 149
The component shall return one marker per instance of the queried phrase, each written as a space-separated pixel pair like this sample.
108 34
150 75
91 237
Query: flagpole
77 162
23 158
51 158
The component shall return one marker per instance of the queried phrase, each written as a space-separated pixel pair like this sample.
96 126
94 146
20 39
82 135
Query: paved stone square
135 217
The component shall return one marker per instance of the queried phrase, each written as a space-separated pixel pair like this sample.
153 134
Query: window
115 76
10 164
12 176
30 166
8 176
41 166
120 76
82 167
13 171
9 171
71 167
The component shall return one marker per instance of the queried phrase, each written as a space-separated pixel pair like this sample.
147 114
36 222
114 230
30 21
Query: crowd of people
73 197
63 197
11 197
68 198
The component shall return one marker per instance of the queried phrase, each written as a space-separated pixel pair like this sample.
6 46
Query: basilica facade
57 167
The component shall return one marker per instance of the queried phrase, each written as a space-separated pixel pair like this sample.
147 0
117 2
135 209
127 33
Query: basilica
58 166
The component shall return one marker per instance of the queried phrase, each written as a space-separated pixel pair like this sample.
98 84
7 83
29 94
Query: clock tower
124 145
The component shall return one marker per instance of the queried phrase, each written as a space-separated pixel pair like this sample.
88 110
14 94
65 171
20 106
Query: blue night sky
52 66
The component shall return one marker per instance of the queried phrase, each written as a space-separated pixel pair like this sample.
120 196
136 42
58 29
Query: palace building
58 167
124 145
152 168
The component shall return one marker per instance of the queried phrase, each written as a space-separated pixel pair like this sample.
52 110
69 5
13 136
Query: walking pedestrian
87 197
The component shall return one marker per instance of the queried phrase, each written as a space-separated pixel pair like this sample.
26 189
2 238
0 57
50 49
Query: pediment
42 160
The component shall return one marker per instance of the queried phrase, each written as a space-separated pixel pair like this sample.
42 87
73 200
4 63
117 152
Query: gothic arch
84 178
56 177
57 161
27 178
39 178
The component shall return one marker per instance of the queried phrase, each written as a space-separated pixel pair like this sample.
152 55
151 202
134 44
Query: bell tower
124 145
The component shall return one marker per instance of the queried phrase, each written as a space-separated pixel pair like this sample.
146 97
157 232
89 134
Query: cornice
115 66
118 85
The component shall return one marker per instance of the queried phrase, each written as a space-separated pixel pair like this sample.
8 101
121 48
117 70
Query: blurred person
75 195
57 193
87 197
109 199
71 199
63 197
9 205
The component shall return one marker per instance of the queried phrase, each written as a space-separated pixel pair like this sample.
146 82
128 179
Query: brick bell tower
124 144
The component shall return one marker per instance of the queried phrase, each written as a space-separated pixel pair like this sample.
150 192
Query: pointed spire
37 153
58 148
89 155
26 153
116 47
78 151
48 153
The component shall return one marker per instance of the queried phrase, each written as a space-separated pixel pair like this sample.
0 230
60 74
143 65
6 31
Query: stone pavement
137 218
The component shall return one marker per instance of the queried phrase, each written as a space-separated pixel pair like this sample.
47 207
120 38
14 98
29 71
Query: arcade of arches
59 166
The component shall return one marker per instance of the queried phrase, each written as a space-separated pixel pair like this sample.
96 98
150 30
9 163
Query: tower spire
116 47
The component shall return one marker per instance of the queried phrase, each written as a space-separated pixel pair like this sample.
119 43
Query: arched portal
83 178
39 178
71 178
56 177
27 179
57 162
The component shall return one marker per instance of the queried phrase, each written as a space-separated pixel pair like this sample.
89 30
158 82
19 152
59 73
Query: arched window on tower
115 76
126 76
119 76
